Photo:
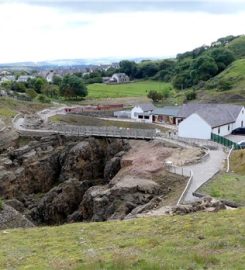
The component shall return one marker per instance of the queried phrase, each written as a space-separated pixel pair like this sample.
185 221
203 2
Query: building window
140 116
218 130
146 117
242 124
228 127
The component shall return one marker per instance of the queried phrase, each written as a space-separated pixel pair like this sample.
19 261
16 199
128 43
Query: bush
190 95
43 99
31 93
155 96
224 85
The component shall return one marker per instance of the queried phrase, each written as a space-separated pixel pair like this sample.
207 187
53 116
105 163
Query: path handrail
228 158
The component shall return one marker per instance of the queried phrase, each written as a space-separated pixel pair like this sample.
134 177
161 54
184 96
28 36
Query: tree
203 68
155 96
57 80
128 67
223 57
72 86
51 90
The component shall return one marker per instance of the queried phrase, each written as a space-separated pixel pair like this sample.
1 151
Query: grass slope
198 241
9 107
134 89
235 74
238 46
229 186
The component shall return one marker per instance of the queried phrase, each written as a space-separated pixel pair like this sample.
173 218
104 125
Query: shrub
43 99
224 85
190 95
155 96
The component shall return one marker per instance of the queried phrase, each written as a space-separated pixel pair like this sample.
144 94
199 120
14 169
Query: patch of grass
171 242
133 89
228 186
82 120
238 161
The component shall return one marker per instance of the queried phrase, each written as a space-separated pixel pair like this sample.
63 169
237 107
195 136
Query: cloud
107 6
34 32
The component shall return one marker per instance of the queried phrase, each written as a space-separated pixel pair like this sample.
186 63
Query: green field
134 89
198 241
229 186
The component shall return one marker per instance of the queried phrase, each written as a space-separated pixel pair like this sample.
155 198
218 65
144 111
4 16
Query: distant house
142 112
49 77
9 78
25 78
119 78
167 114
106 79
200 120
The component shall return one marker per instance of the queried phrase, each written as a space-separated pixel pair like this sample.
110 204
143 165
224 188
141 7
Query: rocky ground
54 180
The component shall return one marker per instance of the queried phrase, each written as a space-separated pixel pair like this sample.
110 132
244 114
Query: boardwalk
83 131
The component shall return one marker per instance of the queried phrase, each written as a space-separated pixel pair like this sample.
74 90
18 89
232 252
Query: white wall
145 120
223 130
136 109
194 127
240 118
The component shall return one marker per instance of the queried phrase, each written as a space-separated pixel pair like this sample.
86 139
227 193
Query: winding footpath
204 171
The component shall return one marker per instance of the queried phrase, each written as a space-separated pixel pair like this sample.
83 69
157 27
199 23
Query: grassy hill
234 76
134 89
238 46
198 241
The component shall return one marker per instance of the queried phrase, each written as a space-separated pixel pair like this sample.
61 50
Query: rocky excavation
56 180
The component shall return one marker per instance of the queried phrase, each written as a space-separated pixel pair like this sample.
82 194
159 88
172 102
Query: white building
8 78
119 78
25 78
142 112
200 120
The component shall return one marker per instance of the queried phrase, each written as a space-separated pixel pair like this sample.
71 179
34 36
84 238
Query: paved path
204 171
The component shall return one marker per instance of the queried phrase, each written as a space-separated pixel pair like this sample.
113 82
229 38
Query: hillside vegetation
198 241
9 107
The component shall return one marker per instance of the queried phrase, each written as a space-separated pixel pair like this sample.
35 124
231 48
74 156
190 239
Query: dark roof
167 110
214 114
146 107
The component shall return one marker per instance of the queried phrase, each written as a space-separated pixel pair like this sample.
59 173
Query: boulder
10 218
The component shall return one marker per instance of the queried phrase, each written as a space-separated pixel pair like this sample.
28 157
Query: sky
122 29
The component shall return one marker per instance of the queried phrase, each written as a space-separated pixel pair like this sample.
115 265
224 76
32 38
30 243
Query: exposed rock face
47 179
60 202
10 218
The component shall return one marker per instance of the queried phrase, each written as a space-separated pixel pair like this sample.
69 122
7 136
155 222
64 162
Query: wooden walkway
124 133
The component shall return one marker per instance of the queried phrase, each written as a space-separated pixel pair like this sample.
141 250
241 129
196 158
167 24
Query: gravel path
205 171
